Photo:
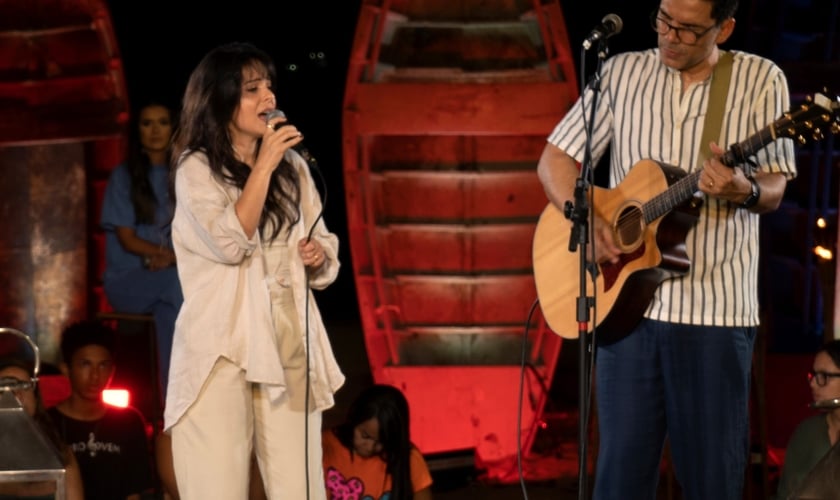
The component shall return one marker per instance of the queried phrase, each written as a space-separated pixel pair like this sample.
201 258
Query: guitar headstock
812 120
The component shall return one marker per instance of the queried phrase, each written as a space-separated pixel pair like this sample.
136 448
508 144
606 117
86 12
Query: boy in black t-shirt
110 443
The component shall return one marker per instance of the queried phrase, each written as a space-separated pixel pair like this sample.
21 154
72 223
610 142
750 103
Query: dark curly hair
84 333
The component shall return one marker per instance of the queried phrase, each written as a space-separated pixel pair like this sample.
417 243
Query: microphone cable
313 166
312 163
523 363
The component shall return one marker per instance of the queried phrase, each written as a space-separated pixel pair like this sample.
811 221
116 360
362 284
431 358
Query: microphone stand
581 215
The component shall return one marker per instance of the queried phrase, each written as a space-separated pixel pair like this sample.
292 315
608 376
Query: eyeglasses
821 377
687 36
14 384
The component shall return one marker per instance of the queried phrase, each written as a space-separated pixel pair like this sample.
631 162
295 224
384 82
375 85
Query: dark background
162 41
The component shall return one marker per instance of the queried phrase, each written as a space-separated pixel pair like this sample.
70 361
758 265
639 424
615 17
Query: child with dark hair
86 333
370 455
110 443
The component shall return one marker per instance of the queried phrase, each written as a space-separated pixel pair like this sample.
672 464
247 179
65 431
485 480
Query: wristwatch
752 199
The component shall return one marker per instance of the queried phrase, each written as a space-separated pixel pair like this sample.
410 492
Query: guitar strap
721 75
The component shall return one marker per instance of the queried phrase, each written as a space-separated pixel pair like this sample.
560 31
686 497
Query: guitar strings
741 152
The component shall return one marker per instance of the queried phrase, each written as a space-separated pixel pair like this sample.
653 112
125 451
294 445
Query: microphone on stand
610 25
300 148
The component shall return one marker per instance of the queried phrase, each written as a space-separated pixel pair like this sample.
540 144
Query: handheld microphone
610 25
313 166
300 148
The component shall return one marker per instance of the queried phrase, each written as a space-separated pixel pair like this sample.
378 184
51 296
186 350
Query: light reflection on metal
26 454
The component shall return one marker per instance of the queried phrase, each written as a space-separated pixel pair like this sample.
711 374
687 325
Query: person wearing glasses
815 435
683 370
18 376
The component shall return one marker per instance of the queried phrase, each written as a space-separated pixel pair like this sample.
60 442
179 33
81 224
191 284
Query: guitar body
653 251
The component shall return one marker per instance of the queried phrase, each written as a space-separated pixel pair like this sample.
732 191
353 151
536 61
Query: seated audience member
110 443
815 435
140 274
370 455
17 375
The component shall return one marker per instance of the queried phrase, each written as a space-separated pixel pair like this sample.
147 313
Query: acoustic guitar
650 213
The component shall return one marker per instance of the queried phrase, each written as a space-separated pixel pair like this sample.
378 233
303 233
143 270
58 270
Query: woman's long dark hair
388 405
138 164
210 101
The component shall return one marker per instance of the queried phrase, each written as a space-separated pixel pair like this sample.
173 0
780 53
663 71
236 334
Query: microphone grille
274 113
615 21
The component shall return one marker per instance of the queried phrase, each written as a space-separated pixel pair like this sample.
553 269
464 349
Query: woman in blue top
140 275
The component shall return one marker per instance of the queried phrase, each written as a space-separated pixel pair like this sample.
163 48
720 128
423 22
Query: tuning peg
835 128
802 140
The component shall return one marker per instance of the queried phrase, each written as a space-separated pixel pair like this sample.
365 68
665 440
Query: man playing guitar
683 369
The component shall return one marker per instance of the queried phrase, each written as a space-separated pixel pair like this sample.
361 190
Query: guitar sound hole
629 227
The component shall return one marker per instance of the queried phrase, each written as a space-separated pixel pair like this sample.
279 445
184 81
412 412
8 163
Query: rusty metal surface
43 241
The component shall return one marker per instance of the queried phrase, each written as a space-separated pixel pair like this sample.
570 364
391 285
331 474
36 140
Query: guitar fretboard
684 189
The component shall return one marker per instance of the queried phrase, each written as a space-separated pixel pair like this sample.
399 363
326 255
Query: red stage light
119 398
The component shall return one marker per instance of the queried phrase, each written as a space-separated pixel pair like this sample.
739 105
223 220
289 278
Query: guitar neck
674 196
739 153
684 189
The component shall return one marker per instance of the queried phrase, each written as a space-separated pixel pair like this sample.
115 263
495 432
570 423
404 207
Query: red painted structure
63 110
447 107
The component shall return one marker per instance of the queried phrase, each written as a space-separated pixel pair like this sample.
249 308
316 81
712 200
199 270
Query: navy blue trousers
688 383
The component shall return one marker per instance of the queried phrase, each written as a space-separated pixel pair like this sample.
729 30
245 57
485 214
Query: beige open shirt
227 308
